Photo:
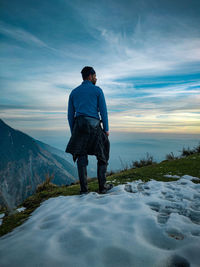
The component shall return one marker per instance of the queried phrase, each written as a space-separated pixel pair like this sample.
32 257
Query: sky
146 55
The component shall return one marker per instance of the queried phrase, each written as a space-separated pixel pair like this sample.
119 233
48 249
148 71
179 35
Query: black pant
83 160
82 163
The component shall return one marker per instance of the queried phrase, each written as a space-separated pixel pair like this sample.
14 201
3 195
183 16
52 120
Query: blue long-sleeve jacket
87 99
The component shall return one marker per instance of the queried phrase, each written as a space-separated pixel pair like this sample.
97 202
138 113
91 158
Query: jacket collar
87 82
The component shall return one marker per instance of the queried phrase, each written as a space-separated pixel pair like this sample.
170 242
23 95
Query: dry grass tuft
47 184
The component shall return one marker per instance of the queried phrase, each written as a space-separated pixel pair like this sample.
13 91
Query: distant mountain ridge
91 168
24 163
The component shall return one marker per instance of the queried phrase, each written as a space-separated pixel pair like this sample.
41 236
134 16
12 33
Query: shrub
143 162
186 152
197 149
46 185
170 156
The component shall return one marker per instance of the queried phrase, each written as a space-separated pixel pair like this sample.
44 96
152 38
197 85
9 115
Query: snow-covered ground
1 217
137 224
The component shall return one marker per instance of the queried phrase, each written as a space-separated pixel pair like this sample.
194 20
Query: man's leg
101 175
82 163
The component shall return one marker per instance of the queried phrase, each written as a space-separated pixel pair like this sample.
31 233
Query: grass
189 165
34 201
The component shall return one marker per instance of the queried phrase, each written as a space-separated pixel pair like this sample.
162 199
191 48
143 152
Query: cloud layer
146 55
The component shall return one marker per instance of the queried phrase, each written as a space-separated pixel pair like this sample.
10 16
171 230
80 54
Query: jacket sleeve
71 112
103 110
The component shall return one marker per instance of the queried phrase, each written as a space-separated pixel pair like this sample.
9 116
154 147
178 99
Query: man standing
88 137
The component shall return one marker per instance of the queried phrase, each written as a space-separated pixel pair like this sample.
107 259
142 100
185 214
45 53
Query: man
88 137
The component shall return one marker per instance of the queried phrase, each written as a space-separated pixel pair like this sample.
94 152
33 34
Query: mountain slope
91 168
24 164
61 155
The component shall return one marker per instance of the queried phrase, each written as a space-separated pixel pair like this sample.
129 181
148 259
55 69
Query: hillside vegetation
189 164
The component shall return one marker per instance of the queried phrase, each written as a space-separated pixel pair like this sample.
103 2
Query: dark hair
86 71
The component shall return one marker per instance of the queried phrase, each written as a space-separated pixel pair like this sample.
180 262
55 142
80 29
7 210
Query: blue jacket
87 99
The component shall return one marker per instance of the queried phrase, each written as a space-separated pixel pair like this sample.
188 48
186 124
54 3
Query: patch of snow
21 209
171 176
190 178
2 215
137 224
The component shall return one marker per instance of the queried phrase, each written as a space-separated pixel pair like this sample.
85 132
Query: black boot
101 175
82 173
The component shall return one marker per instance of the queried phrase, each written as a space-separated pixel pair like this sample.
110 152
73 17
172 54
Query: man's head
88 73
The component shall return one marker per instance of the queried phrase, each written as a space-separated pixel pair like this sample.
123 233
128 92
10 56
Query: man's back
87 99
88 137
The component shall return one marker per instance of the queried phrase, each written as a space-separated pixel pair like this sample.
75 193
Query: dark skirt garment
88 137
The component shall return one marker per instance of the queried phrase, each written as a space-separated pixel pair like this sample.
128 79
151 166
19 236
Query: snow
171 176
1 217
138 224
21 209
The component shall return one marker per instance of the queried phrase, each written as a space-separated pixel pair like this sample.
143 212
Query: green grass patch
189 165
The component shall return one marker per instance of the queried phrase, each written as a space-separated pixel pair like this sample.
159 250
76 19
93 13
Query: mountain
71 167
91 168
24 164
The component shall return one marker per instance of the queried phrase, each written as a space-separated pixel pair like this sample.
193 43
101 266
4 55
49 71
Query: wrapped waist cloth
88 137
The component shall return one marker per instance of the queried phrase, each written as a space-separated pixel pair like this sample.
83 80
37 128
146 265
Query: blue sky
146 55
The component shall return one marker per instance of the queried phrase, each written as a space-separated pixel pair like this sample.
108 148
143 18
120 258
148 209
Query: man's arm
103 111
71 112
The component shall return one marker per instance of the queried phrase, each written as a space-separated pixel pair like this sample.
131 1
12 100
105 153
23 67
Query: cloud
153 58
135 50
141 43
20 35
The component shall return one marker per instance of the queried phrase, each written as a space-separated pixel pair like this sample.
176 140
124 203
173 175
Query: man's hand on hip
107 133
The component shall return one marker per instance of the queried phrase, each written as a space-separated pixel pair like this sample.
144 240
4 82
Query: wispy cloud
136 48
20 34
